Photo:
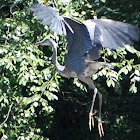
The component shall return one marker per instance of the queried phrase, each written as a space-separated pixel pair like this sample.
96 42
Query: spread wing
87 37
112 34
49 16
79 42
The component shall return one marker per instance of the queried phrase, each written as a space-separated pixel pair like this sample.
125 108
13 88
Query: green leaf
137 78
133 88
32 109
137 72
130 48
36 97
103 1
27 100
109 82
35 104
115 56
1 98
123 70
26 113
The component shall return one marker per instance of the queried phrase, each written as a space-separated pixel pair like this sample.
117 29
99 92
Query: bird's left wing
49 16
112 34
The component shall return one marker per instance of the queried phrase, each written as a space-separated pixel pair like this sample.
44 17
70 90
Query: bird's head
47 41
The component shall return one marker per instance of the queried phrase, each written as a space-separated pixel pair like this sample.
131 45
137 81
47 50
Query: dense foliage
37 103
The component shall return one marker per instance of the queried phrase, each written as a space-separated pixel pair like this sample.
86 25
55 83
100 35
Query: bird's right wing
79 42
74 30
49 16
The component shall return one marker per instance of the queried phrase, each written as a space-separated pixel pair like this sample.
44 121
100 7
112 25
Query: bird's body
91 66
85 41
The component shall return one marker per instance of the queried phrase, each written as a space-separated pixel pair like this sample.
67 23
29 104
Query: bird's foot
100 127
91 119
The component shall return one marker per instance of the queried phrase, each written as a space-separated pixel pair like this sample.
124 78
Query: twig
48 84
7 114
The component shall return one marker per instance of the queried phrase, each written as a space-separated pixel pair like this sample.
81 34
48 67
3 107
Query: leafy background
37 103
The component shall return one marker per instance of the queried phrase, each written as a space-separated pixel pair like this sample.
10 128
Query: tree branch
7 114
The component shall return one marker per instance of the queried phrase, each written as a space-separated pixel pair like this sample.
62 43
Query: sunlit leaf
103 1
133 88
27 113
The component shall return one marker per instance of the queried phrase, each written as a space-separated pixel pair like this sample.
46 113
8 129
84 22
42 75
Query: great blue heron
85 41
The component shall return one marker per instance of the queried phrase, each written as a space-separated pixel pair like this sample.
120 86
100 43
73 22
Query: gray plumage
84 43
49 16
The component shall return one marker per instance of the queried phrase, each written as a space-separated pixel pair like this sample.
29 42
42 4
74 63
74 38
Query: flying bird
85 40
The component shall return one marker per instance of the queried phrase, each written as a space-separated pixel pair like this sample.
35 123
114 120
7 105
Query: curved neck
59 67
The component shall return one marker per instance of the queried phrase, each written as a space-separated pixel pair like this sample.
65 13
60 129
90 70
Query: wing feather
110 34
63 26
49 16
88 37
114 34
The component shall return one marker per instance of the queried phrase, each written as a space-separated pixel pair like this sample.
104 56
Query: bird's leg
91 120
100 126
89 82
91 113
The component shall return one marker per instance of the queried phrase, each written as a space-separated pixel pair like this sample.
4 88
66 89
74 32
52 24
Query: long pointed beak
39 43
